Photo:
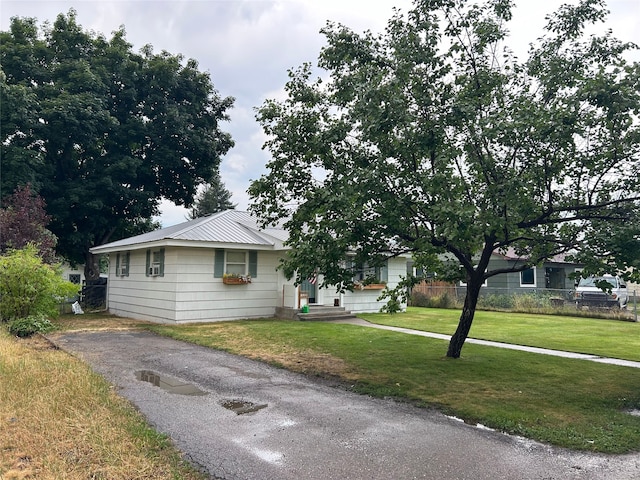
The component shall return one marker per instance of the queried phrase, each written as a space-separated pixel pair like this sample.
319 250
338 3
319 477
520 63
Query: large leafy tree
103 133
213 198
434 139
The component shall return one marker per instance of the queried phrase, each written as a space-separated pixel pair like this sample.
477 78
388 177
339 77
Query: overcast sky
248 45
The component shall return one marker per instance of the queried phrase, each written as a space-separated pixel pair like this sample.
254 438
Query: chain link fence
534 300
93 295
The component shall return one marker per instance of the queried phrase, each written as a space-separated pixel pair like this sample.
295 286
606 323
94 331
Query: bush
418 299
28 286
531 302
496 301
25 327
444 300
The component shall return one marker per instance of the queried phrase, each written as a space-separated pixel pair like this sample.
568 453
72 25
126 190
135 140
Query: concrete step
318 313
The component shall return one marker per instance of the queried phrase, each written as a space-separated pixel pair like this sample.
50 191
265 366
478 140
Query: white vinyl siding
366 301
189 293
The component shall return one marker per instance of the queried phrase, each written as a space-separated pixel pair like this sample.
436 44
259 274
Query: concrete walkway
488 343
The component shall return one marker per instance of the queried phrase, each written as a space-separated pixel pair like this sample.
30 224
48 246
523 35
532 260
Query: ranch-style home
221 267
553 274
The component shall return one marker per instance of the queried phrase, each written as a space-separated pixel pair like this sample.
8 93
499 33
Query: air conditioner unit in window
122 271
154 269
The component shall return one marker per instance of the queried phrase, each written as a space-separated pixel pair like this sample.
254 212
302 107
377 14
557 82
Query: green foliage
530 302
435 139
393 305
28 286
621 254
25 327
496 301
101 132
444 300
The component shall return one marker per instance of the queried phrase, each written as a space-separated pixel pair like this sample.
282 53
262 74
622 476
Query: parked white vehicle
590 294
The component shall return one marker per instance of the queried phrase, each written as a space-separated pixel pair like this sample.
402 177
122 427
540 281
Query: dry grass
96 322
58 420
243 340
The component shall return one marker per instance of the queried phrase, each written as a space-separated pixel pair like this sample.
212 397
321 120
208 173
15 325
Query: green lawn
606 338
571 403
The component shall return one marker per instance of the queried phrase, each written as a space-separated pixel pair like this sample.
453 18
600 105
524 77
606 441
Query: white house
220 267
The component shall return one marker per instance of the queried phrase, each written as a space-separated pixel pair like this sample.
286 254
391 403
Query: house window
75 278
464 284
122 264
528 277
155 263
367 273
235 262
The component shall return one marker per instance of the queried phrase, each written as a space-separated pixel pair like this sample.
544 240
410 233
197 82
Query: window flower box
236 279
370 286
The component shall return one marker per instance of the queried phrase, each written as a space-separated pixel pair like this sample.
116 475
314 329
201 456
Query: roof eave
170 242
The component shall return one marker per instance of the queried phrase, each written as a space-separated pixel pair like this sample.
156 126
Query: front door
310 289
554 278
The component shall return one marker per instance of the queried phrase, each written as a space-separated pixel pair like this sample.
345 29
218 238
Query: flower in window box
370 283
235 279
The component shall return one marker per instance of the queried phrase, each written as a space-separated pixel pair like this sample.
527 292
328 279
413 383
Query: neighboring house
73 274
554 274
220 267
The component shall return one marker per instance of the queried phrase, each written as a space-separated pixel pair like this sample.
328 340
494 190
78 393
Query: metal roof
226 227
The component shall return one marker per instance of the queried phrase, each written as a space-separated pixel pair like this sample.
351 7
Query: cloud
248 46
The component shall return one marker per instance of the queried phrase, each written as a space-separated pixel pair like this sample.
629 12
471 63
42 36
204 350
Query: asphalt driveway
241 419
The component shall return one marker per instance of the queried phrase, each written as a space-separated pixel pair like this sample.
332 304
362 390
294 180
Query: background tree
618 248
434 139
23 221
212 199
101 132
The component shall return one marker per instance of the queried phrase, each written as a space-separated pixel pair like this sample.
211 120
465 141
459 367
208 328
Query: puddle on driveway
171 385
242 406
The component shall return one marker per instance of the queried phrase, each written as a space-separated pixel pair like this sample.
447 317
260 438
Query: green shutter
253 263
218 266
146 270
127 258
162 262
117 264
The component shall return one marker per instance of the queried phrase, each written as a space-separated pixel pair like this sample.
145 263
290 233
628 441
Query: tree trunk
91 266
466 318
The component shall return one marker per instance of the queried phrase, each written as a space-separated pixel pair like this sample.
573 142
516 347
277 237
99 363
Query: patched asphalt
296 427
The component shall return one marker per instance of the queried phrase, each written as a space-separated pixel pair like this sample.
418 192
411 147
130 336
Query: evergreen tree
214 198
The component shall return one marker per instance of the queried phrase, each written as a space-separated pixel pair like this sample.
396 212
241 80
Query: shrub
531 302
418 299
28 286
25 327
496 301
444 300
